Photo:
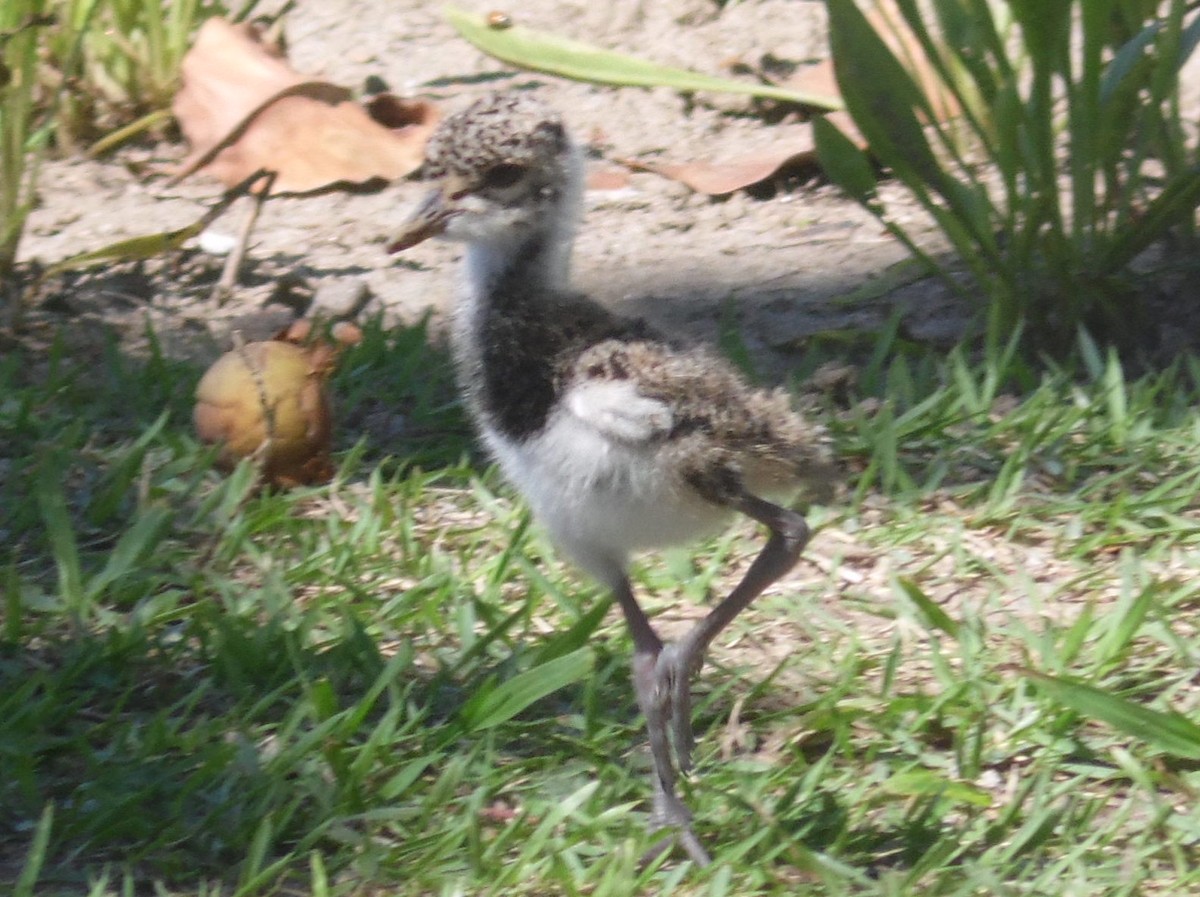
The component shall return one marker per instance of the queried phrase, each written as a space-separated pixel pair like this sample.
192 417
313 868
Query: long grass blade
556 55
35 859
61 533
135 545
934 615
1168 731
844 163
502 703
928 783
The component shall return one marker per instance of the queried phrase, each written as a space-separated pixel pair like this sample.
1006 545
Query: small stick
233 264
263 452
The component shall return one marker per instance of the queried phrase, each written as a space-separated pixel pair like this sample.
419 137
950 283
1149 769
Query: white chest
601 498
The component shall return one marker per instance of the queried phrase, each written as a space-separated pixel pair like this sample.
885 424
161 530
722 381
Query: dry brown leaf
608 179
243 108
717 178
819 78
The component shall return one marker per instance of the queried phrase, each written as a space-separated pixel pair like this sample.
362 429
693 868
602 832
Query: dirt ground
772 261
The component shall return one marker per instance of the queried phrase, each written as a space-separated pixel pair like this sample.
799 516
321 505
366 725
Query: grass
1067 156
22 135
114 65
392 684
72 71
981 680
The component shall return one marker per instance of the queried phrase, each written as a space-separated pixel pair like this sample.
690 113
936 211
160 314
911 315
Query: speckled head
498 129
505 169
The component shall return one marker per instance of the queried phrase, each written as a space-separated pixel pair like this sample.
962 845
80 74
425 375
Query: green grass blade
1125 619
844 163
1076 635
934 616
147 246
578 635
318 877
555 55
1174 205
134 546
112 493
1168 731
881 96
509 698
1115 397
57 519
36 857
148 122
889 109
928 783
1121 66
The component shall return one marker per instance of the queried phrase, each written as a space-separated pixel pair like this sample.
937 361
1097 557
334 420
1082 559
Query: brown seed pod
268 401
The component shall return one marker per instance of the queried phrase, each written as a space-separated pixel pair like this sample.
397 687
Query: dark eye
506 174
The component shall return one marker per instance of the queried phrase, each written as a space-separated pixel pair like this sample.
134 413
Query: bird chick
619 439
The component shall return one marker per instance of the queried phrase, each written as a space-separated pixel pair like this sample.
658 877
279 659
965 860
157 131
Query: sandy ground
772 261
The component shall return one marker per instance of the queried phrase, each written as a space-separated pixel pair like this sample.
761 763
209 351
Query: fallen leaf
716 178
608 179
819 79
242 108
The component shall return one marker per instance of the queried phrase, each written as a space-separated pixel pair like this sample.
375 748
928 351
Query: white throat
537 256
541 249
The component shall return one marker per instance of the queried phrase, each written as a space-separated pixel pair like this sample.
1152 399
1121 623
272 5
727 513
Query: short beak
428 220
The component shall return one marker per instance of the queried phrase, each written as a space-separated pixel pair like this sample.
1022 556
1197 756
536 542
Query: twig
233 264
263 452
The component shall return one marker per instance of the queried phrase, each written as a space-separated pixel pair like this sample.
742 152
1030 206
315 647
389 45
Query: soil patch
767 264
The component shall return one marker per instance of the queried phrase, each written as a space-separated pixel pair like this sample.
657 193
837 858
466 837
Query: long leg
677 662
669 810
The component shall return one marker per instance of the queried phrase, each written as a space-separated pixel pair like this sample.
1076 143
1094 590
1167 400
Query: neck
504 339
517 267
501 290
525 265
532 259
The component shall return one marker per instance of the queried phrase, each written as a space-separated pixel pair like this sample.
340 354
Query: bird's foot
657 679
673 671
686 839
670 813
